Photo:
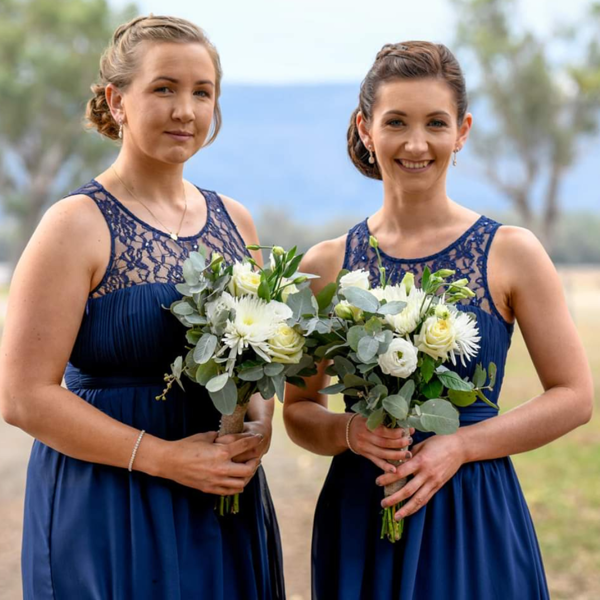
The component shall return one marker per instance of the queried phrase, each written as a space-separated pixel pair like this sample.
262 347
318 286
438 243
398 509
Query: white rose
359 279
400 360
244 280
286 345
345 310
437 337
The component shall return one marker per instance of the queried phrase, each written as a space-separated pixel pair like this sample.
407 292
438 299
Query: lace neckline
431 256
150 227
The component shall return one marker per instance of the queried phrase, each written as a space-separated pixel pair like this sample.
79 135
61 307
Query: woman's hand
433 463
381 444
262 428
198 462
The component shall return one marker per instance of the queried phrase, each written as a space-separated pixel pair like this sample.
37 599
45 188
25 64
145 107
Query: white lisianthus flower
254 323
400 360
359 279
286 345
244 280
224 302
437 337
406 321
280 311
466 338
345 310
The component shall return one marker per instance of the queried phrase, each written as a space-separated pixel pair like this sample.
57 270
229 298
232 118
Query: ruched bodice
474 539
98 532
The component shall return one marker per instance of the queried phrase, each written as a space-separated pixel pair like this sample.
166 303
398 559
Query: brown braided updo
119 63
408 60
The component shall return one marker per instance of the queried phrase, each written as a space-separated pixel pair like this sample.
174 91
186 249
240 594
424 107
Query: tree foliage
49 56
543 96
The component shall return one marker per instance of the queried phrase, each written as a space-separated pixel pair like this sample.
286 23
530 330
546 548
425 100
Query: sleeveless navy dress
96 532
474 540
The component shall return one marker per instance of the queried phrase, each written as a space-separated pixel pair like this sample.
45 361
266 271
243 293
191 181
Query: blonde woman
120 487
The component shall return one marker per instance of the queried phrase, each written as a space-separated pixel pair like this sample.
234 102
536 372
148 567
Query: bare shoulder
239 213
326 260
520 249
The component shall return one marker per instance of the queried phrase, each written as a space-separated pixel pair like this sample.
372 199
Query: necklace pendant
173 236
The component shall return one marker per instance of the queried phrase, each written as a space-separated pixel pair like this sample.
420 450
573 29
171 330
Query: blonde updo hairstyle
407 60
120 61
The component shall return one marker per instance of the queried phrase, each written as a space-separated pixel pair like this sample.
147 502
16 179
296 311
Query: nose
416 143
184 109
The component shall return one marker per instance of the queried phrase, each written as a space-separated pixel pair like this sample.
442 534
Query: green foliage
49 57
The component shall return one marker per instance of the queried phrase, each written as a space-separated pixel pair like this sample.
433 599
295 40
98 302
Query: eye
395 123
202 93
163 89
438 123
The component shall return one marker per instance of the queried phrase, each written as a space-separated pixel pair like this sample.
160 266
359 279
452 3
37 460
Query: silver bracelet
135 449
348 423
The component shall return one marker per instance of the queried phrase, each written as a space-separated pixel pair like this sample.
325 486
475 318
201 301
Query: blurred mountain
284 147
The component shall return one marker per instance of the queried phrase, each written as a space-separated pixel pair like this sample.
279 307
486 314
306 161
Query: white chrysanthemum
359 279
224 302
466 337
400 360
244 280
404 322
254 323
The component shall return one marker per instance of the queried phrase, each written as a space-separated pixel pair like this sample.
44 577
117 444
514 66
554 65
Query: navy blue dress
96 532
474 540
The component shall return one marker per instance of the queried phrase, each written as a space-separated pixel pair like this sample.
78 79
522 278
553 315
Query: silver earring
454 161
120 130
371 157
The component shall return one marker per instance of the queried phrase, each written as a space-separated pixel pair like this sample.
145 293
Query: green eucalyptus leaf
272 369
373 325
355 334
225 398
375 419
351 380
182 308
367 349
439 416
251 374
198 261
302 303
336 388
193 335
279 384
396 405
206 372
297 381
392 308
427 368
480 376
217 383
205 348
361 299
407 390
361 408
266 387
183 289
493 370
374 378
191 276
343 366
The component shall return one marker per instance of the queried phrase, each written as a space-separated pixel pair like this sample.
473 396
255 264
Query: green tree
543 97
49 57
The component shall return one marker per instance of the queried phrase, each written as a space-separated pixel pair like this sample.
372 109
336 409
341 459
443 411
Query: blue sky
329 41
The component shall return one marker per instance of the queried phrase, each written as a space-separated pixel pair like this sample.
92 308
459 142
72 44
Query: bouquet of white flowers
244 333
388 346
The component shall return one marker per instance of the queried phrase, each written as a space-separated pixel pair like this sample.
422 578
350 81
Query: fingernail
378 482
391 469
260 435
408 455
409 440
398 516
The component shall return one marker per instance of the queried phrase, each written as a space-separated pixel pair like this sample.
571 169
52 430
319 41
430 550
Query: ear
114 99
363 130
463 131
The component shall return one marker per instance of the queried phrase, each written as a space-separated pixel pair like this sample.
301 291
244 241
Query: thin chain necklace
174 235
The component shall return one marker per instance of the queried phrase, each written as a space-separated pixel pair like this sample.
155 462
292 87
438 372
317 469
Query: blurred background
292 74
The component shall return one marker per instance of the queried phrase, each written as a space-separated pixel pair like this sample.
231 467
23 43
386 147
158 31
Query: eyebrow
173 80
403 114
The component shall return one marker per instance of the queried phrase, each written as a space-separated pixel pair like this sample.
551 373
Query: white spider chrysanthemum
407 320
254 323
466 341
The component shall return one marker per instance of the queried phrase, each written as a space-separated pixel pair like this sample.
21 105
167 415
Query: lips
413 166
180 135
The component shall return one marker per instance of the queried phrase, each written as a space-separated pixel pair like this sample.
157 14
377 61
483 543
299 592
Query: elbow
587 410
9 409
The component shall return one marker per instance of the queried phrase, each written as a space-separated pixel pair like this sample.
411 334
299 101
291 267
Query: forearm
526 427
260 409
68 424
316 428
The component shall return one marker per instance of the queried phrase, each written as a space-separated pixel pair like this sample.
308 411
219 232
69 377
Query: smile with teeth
407 164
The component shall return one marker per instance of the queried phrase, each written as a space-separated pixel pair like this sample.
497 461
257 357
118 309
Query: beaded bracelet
135 449
348 423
